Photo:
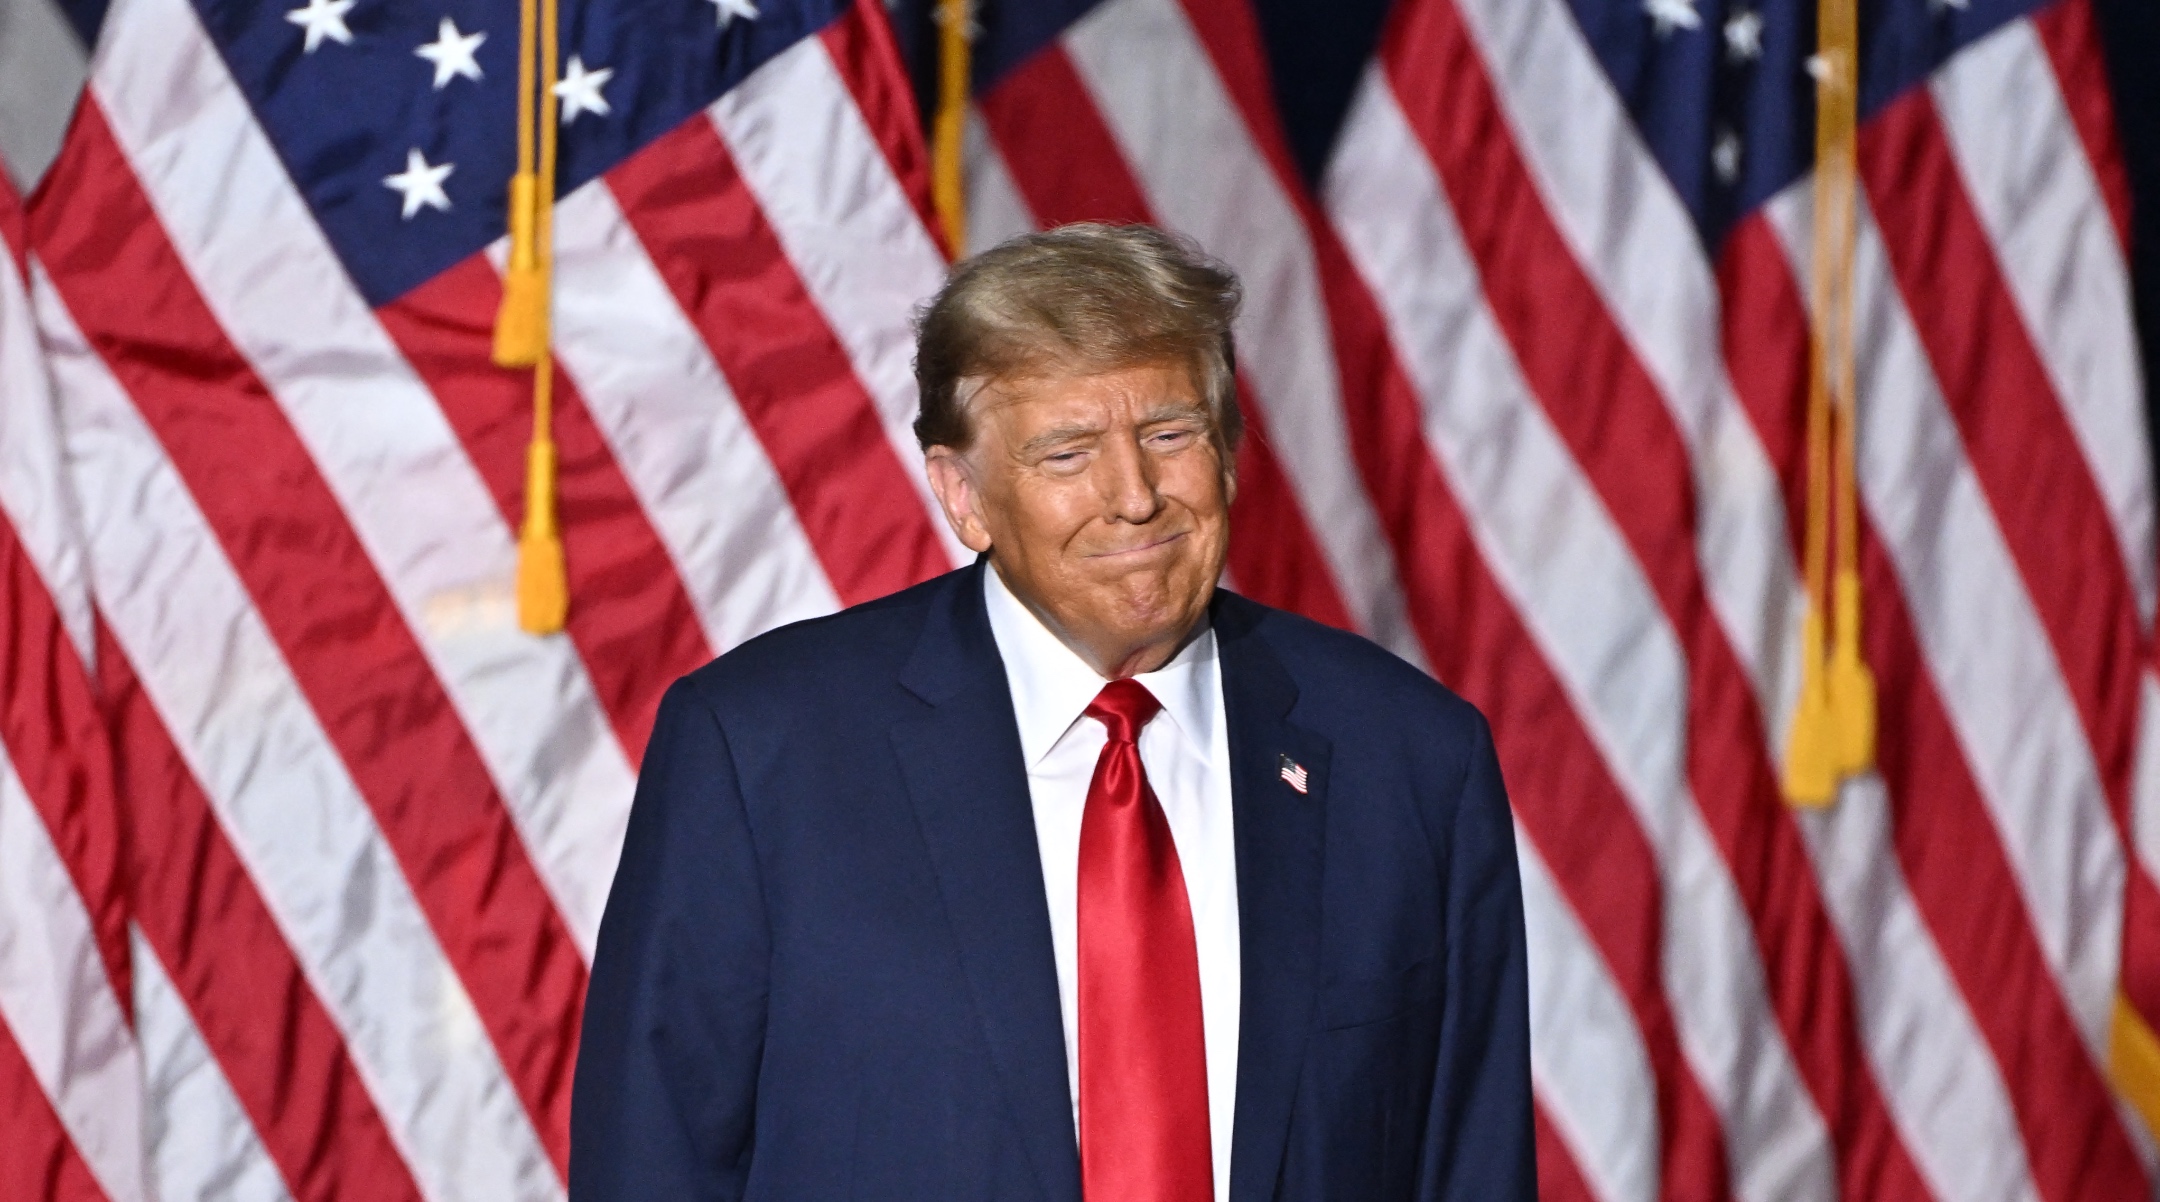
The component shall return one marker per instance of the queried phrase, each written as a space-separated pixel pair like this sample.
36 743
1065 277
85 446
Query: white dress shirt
1186 751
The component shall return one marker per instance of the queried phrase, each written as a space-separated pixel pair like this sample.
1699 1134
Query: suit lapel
968 782
1280 842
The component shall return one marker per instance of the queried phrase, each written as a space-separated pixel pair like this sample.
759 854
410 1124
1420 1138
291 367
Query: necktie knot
1123 707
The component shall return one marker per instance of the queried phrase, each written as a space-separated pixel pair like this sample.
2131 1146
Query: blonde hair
1081 298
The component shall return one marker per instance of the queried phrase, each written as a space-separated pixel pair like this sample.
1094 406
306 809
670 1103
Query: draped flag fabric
304 844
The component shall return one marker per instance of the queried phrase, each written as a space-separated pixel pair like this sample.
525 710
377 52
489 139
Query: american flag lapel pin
1293 773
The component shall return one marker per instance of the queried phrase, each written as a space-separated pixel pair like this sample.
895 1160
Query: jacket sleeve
1479 1142
666 1089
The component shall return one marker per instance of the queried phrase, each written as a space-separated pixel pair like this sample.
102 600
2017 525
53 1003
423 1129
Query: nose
1126 474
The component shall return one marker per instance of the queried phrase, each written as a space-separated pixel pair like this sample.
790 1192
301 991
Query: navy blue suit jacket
825 970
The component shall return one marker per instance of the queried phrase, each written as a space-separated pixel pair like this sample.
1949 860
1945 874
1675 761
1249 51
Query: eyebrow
1059 434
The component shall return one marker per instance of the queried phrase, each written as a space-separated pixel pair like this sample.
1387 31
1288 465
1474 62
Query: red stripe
52 733
1559 1179
37 1157
863 50
705 234
1562 792
319 595
1959 877
200 913
633 623
1564 796
1068 167
2016 435
2073 49
1631 450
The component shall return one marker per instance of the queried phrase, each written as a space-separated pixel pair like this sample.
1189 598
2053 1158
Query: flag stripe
1065 163
376 440
2039 205
1154 87
205 924
69 1028
2022 450
198 1140
868 61
677 430
1581 147
35 1151
702 229
330 650
2025 461
2066 29
1597 1091
846 225
1917 1025
1428 518
631 619
184 881
1639 466
1968 880
49 725
1558 1178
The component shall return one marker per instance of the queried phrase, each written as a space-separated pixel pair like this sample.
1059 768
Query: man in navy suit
1068 874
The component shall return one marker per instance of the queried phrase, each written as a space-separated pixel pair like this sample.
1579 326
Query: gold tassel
1833 729
543 588
521 325
2134 1061
521 328
948 190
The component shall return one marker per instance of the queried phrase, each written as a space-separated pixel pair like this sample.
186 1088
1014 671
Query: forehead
1138 393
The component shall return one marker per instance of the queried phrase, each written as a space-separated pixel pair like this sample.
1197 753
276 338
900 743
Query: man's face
1104 501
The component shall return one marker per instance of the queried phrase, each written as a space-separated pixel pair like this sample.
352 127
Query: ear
952 478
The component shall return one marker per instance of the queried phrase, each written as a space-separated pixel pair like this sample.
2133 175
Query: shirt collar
1052 686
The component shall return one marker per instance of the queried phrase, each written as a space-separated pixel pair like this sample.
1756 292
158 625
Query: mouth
1126 553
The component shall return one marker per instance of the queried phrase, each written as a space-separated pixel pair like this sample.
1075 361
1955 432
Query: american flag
303 843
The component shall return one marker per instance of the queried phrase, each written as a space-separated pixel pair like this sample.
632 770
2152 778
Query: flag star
420 184
579 90
452 53
1939 6
1743 36
728 10
1725 156
323 19
1668 15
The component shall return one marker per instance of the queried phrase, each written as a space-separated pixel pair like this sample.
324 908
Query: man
1065 874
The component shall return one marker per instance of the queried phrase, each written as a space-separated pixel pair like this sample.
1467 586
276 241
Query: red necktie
1143 1058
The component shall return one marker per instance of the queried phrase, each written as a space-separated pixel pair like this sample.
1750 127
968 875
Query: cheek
1197 482
1044 513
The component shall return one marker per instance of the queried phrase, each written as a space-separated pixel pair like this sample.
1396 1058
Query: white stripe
283 797
1943 1089
1632 236
1982 639
1587 1059
35 498
996 211
200 1142
57 999
2145 783
1555 551
676 430
1155 85
847 226
381 442
1622 220
2024 166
